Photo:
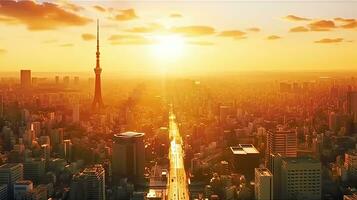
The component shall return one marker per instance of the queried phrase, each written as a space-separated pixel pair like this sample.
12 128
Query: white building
263 184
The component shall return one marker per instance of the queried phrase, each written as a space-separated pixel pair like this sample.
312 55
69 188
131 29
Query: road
177 182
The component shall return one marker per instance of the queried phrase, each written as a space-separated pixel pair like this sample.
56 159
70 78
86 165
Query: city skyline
178 100
283 36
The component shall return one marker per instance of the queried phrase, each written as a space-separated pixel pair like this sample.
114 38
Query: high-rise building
301 179
66 80
97 101
128 158
76 80
36 127
21 188
78 187
57 80
9 174
352 102
25 78
275 161
263 184
46 151
3 192
351 162
90 184
95 177
56 137
75 112
245 157
67 150
1 106
34 169
282 141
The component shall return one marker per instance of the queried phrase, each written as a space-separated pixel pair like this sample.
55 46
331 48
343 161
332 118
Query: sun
168 47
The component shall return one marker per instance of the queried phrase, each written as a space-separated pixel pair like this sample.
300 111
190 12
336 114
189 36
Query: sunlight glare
169 47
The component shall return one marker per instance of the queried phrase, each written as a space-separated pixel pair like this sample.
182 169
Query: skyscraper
275 161
245 157
1 106
25 78
263 184
301 179
352 102
21 188
97 101
282 141
9 174
95 177
128 157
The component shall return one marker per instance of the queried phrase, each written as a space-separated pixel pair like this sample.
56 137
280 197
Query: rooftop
8 165
264 171
129 134
24 182
154 194
244 149
300 160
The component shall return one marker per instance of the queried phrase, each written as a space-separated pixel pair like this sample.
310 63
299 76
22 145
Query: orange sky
178 37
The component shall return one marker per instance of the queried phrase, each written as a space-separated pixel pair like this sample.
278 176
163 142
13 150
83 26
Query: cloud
322 25
88 36
201 43
146 29
347 23
232 33
298 29
273 37
345 20
296 18
40 16
193 30
99 8
175 15
254 29
126 15
329 40
350 25
67 45
130 40
3 51
70 6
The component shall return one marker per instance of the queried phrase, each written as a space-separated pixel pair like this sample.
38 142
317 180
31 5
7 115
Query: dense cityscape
242 135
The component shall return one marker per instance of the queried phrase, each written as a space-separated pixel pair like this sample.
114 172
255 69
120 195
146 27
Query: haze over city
178 100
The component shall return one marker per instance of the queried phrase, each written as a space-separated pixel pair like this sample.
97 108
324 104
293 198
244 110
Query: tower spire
97 35
97 101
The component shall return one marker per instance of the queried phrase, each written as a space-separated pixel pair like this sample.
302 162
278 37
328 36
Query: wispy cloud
273 37
193 30
2 51
99 8
329 40
88 36
176 15
40 16
322 25
254 29
296 18
232 33
130 40
67 45
298 29
126 15
146 29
